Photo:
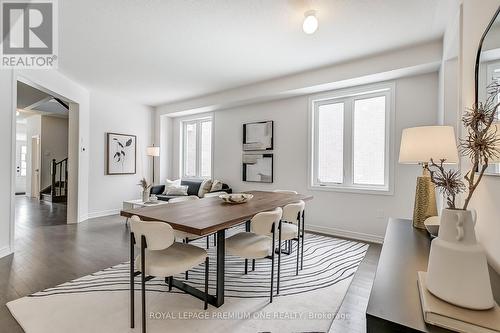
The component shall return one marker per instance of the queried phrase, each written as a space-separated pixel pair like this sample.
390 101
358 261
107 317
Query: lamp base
425 201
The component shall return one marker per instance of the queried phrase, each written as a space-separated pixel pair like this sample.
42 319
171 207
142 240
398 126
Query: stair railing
59 178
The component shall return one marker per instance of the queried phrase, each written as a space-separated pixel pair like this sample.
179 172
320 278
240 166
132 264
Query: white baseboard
102 213
346 233
5 251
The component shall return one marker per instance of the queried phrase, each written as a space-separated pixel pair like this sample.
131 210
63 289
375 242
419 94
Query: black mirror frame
478 56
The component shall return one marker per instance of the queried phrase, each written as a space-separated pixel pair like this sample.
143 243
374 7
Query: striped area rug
307 302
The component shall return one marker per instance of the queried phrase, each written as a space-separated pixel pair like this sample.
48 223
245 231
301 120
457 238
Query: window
493 75
351 140
197 148
23 161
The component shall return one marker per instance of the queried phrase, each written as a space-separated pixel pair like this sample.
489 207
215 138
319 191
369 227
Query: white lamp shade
153 151
421 144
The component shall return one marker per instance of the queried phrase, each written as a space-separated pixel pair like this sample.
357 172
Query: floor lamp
153 152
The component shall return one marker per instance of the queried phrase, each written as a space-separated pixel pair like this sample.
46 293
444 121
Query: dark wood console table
394 304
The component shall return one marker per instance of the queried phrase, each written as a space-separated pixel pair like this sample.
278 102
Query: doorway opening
42 145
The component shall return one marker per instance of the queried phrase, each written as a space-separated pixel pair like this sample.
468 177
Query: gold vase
425 200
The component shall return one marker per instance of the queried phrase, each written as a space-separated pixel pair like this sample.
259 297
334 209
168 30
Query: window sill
355 190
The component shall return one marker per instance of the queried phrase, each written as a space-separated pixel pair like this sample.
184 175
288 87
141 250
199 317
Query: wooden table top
208 215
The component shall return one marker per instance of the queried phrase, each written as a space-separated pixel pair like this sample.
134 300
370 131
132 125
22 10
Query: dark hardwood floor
351 315
49 252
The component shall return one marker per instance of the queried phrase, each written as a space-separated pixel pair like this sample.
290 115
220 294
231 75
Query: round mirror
488 71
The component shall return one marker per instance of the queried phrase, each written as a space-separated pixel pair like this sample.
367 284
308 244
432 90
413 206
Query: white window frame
348 96
198 122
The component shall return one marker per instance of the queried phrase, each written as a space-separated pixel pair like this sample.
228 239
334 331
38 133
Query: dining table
209 216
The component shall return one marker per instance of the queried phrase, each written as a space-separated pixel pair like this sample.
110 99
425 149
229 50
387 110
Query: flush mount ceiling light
310 24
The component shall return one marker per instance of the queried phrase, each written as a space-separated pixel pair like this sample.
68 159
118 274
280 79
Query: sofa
193 188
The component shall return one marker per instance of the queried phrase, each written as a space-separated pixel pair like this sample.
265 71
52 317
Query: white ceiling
158 51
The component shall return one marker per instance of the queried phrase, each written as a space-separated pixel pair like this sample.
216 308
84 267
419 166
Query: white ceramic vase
458 270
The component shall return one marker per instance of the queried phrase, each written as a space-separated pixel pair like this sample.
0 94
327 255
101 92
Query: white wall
487 196
111 114
6 164
54 145
355 215
33 128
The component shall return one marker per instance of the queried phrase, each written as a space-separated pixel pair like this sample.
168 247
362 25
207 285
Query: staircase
58 190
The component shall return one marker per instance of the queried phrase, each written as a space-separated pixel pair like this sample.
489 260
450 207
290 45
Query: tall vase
458 270
145 195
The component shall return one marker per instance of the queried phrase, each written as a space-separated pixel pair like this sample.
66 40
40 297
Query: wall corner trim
345 233
5 251
102 213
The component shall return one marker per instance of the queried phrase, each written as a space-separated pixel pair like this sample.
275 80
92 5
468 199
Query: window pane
190 150
369 141
206 149
330 143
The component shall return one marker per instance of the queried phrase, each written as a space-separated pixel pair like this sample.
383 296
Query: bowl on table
432 225
236 198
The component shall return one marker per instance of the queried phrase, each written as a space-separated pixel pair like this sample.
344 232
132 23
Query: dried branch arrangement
144 184
480 146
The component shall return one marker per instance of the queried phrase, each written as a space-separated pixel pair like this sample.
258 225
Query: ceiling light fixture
310 24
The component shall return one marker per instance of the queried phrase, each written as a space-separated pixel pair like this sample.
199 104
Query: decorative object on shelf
236 198
458 269
121 154
439 313
145 189
258 136
258 168
153 152
432 225
418 146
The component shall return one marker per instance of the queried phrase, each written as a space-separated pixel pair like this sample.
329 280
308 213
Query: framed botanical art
258 168
258 136
121 154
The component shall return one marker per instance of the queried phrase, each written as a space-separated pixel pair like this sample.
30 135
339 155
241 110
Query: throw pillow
216 185
205 187
171 183
177 190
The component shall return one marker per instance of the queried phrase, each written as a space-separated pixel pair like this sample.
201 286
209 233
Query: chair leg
205 306
279 259
143 282
272 265
170 283
298 249
132 272
187 276
253 264
208 242
302 247
246 266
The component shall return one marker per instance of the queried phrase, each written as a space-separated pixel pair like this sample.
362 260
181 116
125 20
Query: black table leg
221 257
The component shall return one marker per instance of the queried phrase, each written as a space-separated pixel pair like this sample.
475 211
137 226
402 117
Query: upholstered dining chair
160 256
187 237
257 243
292 226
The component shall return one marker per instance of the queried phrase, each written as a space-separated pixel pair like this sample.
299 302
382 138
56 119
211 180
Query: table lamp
153 152
418 146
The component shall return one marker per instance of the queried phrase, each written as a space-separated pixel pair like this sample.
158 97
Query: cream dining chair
291 229
257 243
187 237
160 256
